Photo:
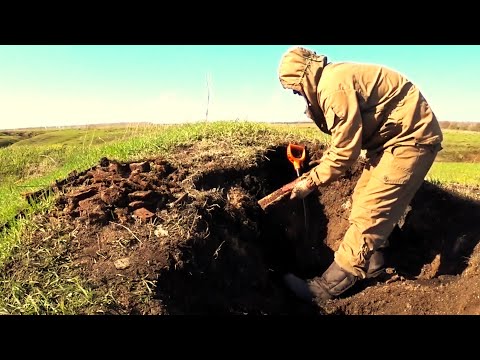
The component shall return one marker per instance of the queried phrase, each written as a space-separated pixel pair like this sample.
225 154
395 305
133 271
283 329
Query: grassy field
459 160
455 173
29 168
31 160
36 159
460 146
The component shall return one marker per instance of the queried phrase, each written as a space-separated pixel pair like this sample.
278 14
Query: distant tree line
458 125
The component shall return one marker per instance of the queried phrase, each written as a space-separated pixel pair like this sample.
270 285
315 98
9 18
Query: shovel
296 154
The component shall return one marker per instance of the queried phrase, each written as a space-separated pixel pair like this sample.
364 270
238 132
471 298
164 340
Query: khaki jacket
362 106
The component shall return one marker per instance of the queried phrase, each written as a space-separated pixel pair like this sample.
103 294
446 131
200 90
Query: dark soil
185 235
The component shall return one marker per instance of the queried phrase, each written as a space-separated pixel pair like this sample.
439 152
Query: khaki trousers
384 190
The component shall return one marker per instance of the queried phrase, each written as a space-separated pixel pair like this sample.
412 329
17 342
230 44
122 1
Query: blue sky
62 85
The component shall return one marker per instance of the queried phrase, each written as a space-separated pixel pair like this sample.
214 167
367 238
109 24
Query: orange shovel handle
296 155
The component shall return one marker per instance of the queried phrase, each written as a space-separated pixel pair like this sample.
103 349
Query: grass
79 137
455 172
460 146
9 137
6 140
42 157
459 160
29 168
37 160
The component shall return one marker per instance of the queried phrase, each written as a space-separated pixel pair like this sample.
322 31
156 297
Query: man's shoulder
349 69
348 75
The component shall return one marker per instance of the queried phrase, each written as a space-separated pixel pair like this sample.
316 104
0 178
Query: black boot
332 283
306 290
376 264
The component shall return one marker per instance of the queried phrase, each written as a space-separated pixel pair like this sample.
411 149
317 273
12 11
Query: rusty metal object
277 195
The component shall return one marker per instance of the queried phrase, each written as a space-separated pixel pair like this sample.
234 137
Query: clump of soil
185 235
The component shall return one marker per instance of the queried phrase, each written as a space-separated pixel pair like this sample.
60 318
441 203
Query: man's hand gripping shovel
296 154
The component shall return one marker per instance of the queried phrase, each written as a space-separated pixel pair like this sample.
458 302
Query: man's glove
303 188
314 163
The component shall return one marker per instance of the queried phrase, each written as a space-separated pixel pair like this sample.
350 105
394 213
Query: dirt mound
185 234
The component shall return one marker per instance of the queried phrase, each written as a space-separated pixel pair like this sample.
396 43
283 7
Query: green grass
29 168
79 137
460 146
56 153
455 172
6 140
459 160
9 137
37 161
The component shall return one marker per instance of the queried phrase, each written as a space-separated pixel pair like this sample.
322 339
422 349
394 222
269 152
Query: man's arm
345 122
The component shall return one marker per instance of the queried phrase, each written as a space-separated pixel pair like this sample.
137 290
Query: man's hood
300 70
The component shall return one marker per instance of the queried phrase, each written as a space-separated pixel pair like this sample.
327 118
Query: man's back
393 111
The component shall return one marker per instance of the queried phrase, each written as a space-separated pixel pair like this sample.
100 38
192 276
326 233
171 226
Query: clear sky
62 85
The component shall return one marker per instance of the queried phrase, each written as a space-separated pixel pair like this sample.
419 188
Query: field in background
79 136
101 133
37 157
462 140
